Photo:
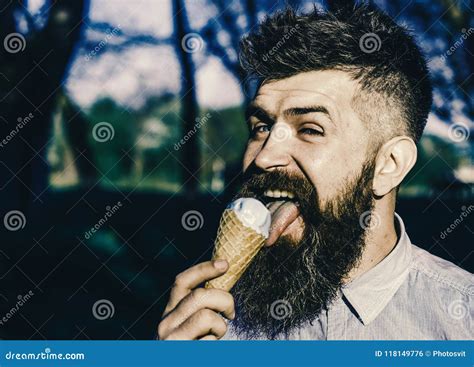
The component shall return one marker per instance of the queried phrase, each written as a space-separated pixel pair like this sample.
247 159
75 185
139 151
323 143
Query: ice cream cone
236 243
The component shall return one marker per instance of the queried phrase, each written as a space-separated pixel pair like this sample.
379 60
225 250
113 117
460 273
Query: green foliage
138 156
146 151
151 136
224 137
110 157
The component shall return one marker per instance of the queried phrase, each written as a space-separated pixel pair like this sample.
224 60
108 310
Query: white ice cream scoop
253 214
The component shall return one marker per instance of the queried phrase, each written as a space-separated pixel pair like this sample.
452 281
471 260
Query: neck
380 241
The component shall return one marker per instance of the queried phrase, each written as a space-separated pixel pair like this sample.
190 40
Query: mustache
254 184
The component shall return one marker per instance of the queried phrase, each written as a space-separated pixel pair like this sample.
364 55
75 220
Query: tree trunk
191 156
32 72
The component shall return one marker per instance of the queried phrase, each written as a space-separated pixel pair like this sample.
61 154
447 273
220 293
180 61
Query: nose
274 152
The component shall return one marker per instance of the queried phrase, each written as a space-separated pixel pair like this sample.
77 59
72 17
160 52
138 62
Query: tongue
283 214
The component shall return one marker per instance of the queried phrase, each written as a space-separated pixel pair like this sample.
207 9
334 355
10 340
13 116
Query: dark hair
359 39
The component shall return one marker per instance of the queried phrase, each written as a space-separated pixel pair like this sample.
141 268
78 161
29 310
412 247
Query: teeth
279 194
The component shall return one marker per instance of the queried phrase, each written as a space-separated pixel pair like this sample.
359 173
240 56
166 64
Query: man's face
305 125
306 141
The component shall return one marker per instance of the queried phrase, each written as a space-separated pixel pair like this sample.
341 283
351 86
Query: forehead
333 88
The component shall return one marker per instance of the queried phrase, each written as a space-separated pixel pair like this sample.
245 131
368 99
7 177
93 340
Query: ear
394 160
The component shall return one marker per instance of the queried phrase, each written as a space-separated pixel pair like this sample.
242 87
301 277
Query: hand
194 313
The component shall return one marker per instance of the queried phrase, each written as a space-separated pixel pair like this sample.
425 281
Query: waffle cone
238 245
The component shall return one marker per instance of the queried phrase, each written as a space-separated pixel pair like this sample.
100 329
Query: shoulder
441 273
442 297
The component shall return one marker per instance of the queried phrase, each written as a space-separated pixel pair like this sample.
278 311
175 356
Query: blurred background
122 131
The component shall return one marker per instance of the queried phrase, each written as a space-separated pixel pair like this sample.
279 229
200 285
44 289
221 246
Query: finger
208 337
199 273
202 323
213 299
191 278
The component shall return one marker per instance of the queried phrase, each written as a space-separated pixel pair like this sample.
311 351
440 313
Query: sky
138 72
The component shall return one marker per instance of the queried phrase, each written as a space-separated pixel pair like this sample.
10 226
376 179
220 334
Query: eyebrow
298 111
260 113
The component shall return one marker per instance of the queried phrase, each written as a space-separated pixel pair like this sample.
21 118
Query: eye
311 131
260 128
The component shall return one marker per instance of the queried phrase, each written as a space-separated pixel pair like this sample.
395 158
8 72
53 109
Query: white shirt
410 294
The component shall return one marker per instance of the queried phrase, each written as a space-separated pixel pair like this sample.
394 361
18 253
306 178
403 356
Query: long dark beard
289 284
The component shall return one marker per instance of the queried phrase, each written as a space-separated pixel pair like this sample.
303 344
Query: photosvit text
420 353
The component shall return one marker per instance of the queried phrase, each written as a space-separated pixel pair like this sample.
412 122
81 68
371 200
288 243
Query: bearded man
342 100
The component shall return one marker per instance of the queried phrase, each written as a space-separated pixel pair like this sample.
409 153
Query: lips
284 209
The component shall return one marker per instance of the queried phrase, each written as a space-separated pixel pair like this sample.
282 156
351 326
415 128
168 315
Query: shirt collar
371 292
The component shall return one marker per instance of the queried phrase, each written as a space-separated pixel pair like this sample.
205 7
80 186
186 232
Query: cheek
324 178
328 171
